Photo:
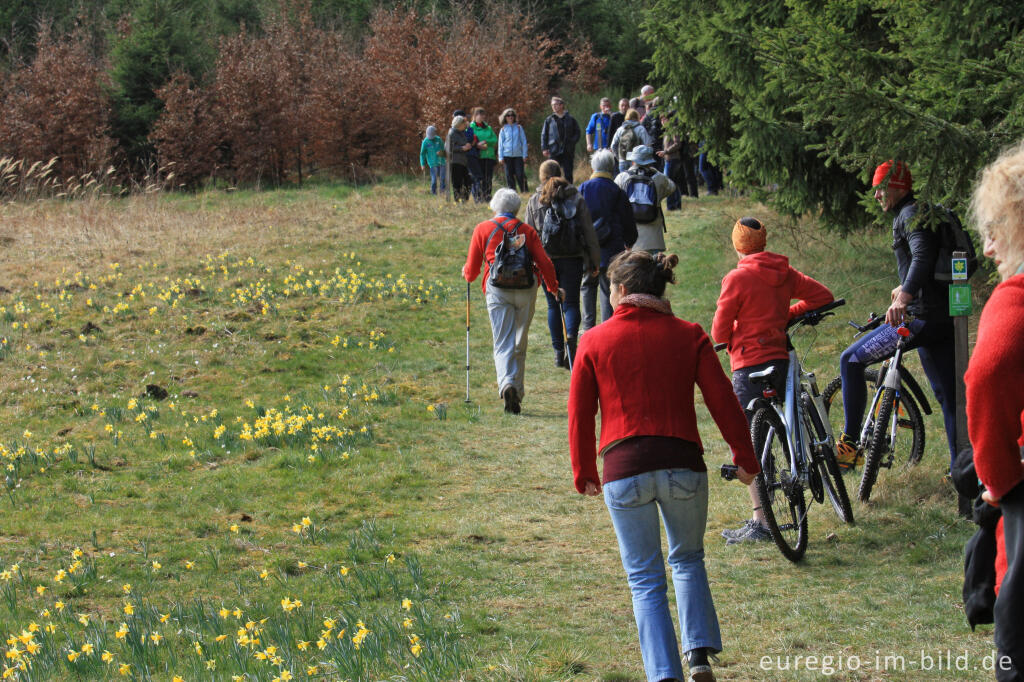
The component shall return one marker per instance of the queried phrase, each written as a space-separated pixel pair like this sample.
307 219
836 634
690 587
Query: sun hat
642 156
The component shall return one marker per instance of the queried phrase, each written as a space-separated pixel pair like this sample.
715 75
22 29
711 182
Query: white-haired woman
455 148
995 401
510 309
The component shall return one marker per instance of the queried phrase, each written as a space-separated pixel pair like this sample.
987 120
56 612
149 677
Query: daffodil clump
365 620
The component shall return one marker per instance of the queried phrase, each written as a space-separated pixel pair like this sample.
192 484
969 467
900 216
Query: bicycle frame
893 380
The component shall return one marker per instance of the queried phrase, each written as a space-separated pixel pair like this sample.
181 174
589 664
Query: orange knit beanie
749 235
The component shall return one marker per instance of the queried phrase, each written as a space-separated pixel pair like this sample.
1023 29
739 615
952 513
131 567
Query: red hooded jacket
753 308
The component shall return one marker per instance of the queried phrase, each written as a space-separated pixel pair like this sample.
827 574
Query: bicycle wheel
878 446
778 489
825 459
908 441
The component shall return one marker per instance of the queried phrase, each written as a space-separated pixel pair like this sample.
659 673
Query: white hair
603 161
506 200
457 121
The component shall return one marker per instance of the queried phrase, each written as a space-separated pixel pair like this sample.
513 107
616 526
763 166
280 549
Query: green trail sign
960 298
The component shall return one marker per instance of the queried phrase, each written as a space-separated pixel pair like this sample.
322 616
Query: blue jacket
608 201
511 141
602 140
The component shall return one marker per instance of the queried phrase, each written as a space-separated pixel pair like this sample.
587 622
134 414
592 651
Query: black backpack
512 267
559 231
952 237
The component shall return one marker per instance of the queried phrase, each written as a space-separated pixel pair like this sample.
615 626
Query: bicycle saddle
762 377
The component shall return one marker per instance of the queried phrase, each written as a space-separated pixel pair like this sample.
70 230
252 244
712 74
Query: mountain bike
793 439
893 426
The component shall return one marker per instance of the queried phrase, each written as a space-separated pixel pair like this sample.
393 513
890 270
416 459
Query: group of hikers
640 365
464 160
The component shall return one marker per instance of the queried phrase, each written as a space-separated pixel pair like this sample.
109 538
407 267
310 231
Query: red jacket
642 367
481 252
995 397
753 308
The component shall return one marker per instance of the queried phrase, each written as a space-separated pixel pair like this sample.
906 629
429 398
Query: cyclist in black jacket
919 300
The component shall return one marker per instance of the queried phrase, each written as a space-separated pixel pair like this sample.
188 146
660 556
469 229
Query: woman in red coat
995 399
641 368
510 310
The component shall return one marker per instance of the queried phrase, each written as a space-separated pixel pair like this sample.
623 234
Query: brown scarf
656 304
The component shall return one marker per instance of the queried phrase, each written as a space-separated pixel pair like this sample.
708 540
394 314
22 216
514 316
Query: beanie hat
899 177
431 132
749 235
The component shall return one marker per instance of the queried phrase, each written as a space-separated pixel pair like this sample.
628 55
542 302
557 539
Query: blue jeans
672 170
570 275
437 175
589 291
935 347
681 496
515 173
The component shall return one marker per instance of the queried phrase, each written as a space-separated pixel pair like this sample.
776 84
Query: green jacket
428 152
486 133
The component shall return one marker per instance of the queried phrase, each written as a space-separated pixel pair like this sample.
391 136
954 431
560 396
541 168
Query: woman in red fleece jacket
995 397
751 318
641 368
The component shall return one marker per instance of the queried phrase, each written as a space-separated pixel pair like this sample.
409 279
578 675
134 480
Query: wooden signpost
960 310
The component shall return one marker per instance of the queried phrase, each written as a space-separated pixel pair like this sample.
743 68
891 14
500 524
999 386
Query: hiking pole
565 336
467 341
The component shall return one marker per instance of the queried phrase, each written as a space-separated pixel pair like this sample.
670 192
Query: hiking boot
700 666
511 397
560 358
730 533
848 455
571 352
755 533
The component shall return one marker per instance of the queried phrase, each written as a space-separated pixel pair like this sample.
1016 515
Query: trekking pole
565 337
467 341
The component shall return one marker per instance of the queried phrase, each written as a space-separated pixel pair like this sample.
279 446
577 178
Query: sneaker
511 397
730 533
699 665
755 533
848 455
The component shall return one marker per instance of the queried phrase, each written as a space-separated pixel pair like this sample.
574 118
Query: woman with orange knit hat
753 309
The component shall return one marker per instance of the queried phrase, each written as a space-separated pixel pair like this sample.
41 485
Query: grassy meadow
236 447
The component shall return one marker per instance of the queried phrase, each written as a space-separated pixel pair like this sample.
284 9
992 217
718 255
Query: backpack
512 267
627 141
952 237
643 197
559 232
603 230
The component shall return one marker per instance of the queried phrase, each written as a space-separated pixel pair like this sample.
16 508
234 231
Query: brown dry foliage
57 106
300 98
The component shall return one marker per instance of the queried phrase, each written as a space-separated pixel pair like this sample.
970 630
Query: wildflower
343 570
407 623
40 589
390 558
73 656
237 613
60 575
164 617
59 605
126 588
107 657
128 608
77 553
311 670
220 638
50 628
124 668
302 645
83 618
329 623
122 631
296 528
211 664
199 648
156 565
87 649
233 528
306 522
224 613
407 604
189 565
264 574
416 649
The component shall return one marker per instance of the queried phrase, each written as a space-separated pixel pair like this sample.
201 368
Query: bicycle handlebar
813 317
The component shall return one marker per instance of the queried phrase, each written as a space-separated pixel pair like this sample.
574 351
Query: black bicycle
793 439
893 426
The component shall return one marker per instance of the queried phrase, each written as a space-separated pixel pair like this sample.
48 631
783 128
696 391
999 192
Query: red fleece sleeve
583 396
724 406
810 293
726 310
475 257
995 401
